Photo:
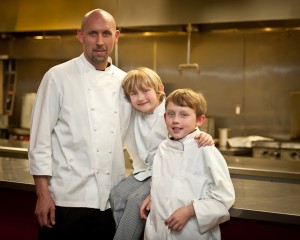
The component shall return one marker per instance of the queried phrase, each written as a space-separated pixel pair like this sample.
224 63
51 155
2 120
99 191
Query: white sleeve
125 115
43 119
212 209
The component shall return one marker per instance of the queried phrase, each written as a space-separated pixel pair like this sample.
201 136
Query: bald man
76 150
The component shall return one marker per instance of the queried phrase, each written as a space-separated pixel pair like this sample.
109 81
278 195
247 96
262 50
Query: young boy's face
145 100
181 121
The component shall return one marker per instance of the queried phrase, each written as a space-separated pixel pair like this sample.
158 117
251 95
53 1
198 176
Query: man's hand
45 207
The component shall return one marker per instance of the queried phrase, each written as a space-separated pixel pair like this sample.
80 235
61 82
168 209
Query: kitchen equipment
188 64
223 136
295 115
246 142
1 86
266 149
280 150
290 151
27 104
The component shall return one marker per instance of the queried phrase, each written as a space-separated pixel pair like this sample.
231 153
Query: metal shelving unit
9 86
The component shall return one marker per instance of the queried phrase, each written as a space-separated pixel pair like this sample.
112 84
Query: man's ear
79 36
201 120
165 116
117 35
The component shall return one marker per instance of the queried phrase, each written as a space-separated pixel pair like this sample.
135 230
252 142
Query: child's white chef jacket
183 174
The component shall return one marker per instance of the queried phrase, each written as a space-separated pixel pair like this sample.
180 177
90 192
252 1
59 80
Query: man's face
98 36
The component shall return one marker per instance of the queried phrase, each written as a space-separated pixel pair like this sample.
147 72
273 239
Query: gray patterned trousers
126 199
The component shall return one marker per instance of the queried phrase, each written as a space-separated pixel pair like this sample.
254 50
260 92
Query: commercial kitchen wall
253 70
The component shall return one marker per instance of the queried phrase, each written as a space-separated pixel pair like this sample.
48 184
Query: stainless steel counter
264 169
255 199
14 174
13 148
235 151
239 167
268 201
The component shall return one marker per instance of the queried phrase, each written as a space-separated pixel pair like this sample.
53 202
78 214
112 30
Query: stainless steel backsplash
250 72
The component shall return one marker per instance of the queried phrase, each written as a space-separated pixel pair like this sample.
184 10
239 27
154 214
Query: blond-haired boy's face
145 100
180 121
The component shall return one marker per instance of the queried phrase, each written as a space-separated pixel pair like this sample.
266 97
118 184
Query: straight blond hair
138 78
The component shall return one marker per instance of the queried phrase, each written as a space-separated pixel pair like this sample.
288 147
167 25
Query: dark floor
17 219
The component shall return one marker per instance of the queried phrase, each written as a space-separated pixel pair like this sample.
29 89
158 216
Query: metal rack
9 82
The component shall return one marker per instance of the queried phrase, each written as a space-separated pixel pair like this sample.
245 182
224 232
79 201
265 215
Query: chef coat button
115 111
112 132
92 109
107 172
110 152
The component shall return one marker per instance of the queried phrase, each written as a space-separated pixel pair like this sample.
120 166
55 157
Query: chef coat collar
179 144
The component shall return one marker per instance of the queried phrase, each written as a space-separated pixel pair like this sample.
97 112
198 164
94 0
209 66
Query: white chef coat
77 124
184 174
145 133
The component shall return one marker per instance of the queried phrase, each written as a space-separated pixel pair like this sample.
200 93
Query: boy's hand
204 139
145 208
180 217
